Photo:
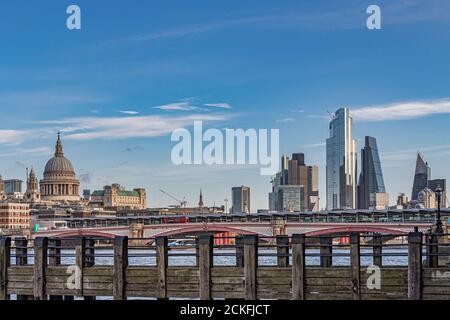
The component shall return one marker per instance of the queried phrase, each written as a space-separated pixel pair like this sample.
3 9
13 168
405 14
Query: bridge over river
391 222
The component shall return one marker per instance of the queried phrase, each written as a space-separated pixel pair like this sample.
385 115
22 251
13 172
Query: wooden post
80 260
5 261
433 250
89 259
414 265
22 260
377 250
326 250
162 261
205 265
120 267
355 264
298 267
54 258
250 265
40 264
239 243
197 252
283 251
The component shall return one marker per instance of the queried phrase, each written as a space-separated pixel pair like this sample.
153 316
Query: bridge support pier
137 233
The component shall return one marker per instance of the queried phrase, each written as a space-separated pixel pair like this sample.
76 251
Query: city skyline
117 92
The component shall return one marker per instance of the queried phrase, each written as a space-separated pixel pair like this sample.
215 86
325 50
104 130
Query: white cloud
40 151
401 110
130 112
178 106
314 145
128 127
12 137
411 154
286 120
219 105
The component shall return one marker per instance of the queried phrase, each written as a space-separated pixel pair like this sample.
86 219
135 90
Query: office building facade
341 162
240 200
13 186
371 189
421 176
290 198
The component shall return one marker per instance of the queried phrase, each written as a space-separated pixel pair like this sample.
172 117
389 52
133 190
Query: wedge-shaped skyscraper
371 190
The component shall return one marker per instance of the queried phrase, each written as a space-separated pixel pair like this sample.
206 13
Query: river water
226 257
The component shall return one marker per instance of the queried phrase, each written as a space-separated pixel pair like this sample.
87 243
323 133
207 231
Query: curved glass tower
341 162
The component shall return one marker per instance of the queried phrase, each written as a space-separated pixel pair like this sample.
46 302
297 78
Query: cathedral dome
59 164
59 183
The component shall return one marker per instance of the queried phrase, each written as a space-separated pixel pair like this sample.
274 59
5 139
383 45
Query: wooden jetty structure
284 267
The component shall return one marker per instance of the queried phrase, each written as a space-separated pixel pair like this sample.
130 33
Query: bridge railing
405 216
355 266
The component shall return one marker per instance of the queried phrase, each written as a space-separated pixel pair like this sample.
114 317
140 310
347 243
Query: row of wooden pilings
47 252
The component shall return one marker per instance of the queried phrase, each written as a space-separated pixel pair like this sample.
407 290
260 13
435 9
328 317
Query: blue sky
237 64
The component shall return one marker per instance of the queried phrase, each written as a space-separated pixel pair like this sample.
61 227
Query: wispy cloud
401 110
130 112
177 106
40 151
219 105
191 104
13 137
129 127
411 154
314 145
350 17
285 120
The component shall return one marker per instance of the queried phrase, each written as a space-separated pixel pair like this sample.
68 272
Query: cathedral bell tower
32 194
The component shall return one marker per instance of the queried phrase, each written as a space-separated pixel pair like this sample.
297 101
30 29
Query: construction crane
183 203
332 116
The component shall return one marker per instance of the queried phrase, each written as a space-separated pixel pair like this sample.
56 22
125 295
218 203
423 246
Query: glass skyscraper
371 189
341 162
421 176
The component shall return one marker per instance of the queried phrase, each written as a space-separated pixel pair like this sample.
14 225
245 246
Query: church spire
59 148
200 202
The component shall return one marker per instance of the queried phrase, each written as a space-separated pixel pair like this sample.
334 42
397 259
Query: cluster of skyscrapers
343 190
296 186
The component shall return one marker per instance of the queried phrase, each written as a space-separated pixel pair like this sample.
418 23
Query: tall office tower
341 162
312 188
13 186
240 199
293 174
299 174
276 181
421 176
442 184
371 190
284 169
87 194
299 157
